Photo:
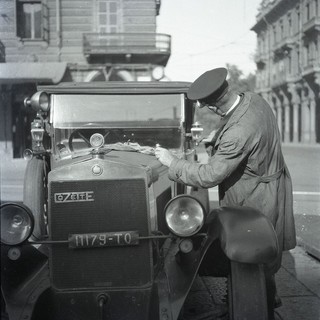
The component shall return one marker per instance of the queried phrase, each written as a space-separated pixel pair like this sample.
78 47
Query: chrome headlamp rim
44 101
29 214
200 225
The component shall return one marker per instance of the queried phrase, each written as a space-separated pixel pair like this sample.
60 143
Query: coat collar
240 110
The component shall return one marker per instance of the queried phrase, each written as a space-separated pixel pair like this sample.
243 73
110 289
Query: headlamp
39 101
17 223
184 215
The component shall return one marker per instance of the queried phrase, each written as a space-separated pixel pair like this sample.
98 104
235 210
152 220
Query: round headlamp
17 223
39 101
184 215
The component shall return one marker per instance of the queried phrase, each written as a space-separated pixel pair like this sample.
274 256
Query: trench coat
248 166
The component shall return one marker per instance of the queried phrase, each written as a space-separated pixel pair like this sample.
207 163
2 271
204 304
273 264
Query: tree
236 80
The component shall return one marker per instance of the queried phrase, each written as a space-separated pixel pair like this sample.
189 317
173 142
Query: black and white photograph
160 159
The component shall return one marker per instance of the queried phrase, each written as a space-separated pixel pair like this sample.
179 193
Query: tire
247 297
34 195
4 314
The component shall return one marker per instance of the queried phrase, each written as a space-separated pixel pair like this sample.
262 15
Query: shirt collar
234 104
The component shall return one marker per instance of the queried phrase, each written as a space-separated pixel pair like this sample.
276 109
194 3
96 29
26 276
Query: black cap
211 85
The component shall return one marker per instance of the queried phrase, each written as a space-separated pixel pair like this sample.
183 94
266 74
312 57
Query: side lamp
196 132
37 133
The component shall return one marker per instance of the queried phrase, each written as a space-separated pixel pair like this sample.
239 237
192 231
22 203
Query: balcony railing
311 25
104 44
261 57
286 43
312 66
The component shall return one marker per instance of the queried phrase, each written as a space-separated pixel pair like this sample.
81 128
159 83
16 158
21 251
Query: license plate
105 239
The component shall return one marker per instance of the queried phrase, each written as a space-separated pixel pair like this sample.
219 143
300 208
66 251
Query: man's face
212 106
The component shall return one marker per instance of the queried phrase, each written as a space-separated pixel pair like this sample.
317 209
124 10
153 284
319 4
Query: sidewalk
298 284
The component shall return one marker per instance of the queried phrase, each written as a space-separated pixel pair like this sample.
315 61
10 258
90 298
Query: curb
310 249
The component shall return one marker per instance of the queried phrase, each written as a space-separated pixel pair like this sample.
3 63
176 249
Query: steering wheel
82 133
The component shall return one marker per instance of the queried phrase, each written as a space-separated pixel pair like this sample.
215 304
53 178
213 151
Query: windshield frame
181 126
139 112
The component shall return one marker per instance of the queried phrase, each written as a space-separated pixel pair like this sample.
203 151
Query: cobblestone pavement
298 283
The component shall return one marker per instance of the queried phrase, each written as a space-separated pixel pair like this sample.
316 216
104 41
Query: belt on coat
266 179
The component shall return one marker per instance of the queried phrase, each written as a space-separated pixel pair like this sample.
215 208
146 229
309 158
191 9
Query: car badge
97 170
83 196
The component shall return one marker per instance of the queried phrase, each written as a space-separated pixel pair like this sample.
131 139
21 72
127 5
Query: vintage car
103 233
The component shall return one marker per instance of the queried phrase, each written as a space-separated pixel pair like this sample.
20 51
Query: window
306 55
274 32
108 16
29 19
307 12
281 29
289 24
298 20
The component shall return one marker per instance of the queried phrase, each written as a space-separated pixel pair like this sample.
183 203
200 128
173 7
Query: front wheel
247 292
4 314
34 195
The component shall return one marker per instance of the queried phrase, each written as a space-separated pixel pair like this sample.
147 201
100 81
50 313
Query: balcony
286 43
313 25
261 60
282 48
311 67
144 48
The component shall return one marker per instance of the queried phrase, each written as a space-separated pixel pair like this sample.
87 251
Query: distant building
53 41
288 65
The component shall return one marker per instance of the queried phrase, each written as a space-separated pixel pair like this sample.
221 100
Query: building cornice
269 10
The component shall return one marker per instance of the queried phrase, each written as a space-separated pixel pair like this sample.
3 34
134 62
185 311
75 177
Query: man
246 161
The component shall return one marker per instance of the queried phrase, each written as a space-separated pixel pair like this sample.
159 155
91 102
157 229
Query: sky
207 34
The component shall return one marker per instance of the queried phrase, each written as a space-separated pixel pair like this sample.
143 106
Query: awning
22 72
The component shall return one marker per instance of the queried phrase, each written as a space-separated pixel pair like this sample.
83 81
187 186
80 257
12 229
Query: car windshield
144 120
116 111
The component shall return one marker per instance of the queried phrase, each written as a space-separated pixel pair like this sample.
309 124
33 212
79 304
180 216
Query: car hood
113 164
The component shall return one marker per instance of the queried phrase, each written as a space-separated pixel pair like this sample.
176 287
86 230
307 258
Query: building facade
288 65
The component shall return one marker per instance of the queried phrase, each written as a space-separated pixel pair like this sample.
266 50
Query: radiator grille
118 205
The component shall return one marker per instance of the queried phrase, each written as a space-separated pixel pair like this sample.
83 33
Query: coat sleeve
231 151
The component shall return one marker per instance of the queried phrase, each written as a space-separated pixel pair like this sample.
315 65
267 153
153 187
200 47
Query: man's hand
164 156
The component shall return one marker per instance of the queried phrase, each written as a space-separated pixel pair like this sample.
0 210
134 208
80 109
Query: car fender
179 272
32 271
246 235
